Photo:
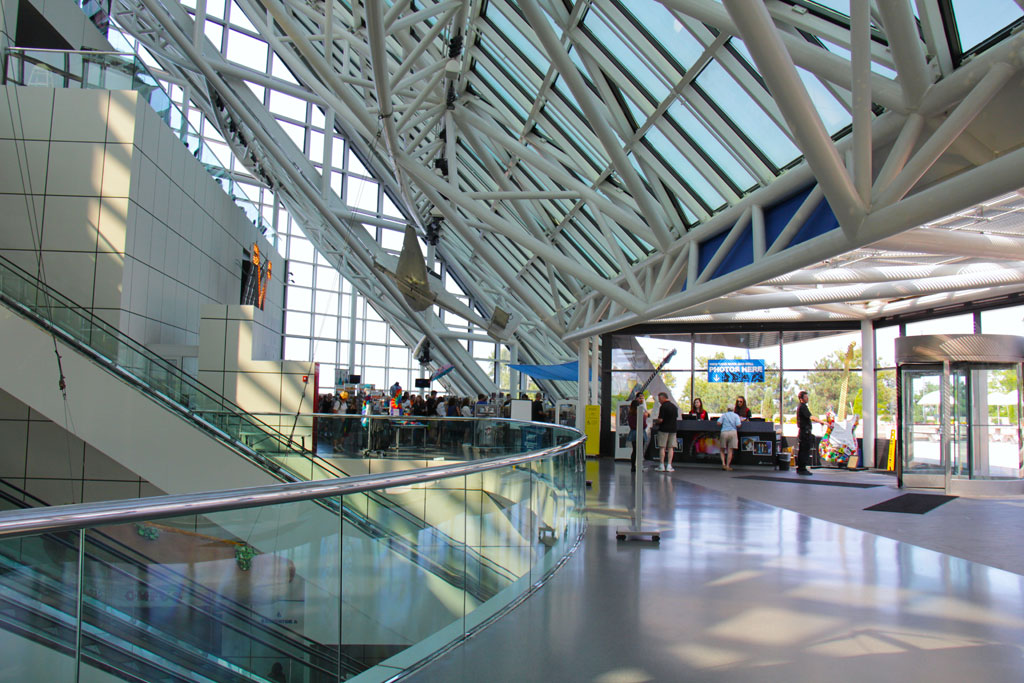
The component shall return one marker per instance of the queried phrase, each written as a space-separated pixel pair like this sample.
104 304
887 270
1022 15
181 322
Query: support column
514 388
595 367
584 386
868 398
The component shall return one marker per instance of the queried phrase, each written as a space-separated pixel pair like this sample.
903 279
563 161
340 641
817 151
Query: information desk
697 441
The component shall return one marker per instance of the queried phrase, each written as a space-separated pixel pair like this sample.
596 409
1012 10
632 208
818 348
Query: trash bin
783 461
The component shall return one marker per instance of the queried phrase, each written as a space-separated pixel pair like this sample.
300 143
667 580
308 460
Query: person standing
803 423
537 409
729 439
666 440
741 408
697 409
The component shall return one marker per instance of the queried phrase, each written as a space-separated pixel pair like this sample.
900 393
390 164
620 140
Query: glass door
923 463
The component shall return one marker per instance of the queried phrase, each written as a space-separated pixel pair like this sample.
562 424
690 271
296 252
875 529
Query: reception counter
697 441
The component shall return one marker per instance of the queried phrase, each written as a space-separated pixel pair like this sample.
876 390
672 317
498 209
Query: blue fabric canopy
566 372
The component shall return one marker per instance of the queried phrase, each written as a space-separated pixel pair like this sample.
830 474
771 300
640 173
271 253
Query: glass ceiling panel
516 38
879 69
833 114
529 85
735 103
678 163
673 37
632 64
979 20
507 99
718 152
597 158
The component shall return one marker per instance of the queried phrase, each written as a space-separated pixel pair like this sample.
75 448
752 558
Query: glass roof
589 142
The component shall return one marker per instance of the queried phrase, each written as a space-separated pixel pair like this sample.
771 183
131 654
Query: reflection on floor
740 590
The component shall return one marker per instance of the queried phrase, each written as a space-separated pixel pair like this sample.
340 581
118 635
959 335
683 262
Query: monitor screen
422 382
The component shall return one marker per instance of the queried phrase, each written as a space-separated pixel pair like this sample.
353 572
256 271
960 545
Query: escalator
186 414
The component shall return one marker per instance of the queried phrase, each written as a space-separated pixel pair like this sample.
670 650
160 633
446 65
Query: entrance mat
912 503
816 482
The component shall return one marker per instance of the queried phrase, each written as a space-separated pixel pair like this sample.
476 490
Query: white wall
42 458
231 363
129 222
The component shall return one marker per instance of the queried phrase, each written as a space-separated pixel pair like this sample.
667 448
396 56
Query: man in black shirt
803 423
666 439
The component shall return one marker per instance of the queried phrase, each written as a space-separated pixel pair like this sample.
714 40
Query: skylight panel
672 36
530 86
633 65
718 153
519 41
835 48
833 114
680 165
503 95
978 20
736 104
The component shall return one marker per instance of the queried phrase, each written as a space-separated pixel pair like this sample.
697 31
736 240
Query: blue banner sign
740 371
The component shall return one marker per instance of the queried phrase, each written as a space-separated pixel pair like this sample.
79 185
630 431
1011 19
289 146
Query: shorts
665 440
730 439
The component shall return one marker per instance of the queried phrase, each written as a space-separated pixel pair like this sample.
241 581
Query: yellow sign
592 428
891 465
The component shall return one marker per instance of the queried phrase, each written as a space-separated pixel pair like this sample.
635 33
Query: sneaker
805 473
660 468
670 469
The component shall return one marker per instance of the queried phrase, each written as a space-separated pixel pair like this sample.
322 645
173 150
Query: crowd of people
402 403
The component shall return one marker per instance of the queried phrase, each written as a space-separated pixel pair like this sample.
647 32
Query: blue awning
566 372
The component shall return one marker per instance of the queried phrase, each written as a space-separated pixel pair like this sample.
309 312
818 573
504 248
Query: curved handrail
87 515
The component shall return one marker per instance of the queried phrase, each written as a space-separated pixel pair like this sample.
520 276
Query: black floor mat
912 503
816 482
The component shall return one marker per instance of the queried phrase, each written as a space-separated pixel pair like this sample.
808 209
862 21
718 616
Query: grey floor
768 581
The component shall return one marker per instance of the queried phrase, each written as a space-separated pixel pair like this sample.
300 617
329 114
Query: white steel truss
601 163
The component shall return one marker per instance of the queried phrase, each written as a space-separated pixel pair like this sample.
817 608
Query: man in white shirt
729 438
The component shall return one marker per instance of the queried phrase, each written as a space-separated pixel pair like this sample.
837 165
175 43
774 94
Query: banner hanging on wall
748 371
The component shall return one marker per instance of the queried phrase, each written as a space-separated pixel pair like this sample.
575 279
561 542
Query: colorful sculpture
839 443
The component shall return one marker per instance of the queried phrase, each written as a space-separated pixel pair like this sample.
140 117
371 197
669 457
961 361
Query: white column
514 388
584 389
868 398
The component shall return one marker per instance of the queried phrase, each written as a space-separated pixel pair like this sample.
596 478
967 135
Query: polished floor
742 590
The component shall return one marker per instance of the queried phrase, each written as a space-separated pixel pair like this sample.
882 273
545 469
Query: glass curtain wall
825 363
326 320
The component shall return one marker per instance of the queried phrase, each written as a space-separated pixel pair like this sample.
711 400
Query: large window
825 363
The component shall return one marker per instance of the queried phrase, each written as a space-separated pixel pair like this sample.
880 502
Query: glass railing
125 71
378 514
212 616
138 589
422 439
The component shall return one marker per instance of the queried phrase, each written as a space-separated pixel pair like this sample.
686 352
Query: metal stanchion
636 529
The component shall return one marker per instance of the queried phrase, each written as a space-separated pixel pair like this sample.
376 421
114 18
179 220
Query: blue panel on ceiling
776 217
708 249
821 220
741 254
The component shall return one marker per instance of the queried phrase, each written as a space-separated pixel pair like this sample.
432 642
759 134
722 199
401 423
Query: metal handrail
87 515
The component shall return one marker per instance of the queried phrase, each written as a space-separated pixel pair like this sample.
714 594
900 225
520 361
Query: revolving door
960 411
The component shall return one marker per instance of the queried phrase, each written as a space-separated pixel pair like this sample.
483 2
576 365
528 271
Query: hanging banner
592 428
748 371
